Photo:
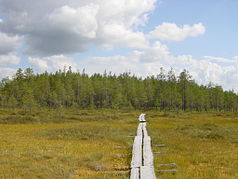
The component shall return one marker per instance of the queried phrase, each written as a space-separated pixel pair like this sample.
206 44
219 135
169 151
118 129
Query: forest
65 88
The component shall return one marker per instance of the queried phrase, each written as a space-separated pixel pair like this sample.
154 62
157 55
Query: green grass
68 143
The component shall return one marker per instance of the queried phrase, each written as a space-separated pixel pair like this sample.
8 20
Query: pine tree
79 90
28 101
12 102
184 79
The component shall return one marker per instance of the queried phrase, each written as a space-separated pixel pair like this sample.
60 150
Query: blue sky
218 16
114 35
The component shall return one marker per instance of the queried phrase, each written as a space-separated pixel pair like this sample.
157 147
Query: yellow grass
84 144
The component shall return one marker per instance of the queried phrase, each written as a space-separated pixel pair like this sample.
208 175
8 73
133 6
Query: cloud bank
147 62
8 43
48 32
67 26
171 32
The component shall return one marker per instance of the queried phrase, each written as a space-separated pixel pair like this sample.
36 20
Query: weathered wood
145 133
117 172
160 145
163 152
142 156
139 129
169 170
142 118
135 173
137 152
121 147
148 159
147 172
167 165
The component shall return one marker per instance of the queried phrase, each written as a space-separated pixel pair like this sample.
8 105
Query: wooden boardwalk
142 163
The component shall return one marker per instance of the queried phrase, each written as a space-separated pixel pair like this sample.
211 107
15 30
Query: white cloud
7 72
171 32
68 26
61 61
52 63
6 60
156 52
38 63
148 62
220 59
80 21
8 43
114 34
50 28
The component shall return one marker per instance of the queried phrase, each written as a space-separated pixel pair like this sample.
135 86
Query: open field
94 143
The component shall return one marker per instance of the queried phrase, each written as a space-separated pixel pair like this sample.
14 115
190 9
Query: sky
137 36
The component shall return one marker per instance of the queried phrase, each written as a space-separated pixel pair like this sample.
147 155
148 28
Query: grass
69 143
203 145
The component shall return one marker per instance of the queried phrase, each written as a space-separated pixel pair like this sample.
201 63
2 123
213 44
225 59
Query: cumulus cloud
114 32
171 32
39 64
156 52
220 59
48 29
7 72
8 43
6 60
148 62
61 61
67 26
81 21
52 63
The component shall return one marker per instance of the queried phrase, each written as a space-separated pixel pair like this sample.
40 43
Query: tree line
65 88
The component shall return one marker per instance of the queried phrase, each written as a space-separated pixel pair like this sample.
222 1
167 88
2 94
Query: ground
70 143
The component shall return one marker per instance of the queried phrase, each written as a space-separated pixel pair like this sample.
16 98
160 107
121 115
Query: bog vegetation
93 144
72 125
65 88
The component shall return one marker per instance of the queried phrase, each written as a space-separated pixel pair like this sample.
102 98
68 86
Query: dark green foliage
78 90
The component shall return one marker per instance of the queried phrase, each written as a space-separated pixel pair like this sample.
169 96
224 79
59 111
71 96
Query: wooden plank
160 145
142 163
147 172
147 152
135 173
142 118
162 152
145 133
169 170
137 152
139 129
167 165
